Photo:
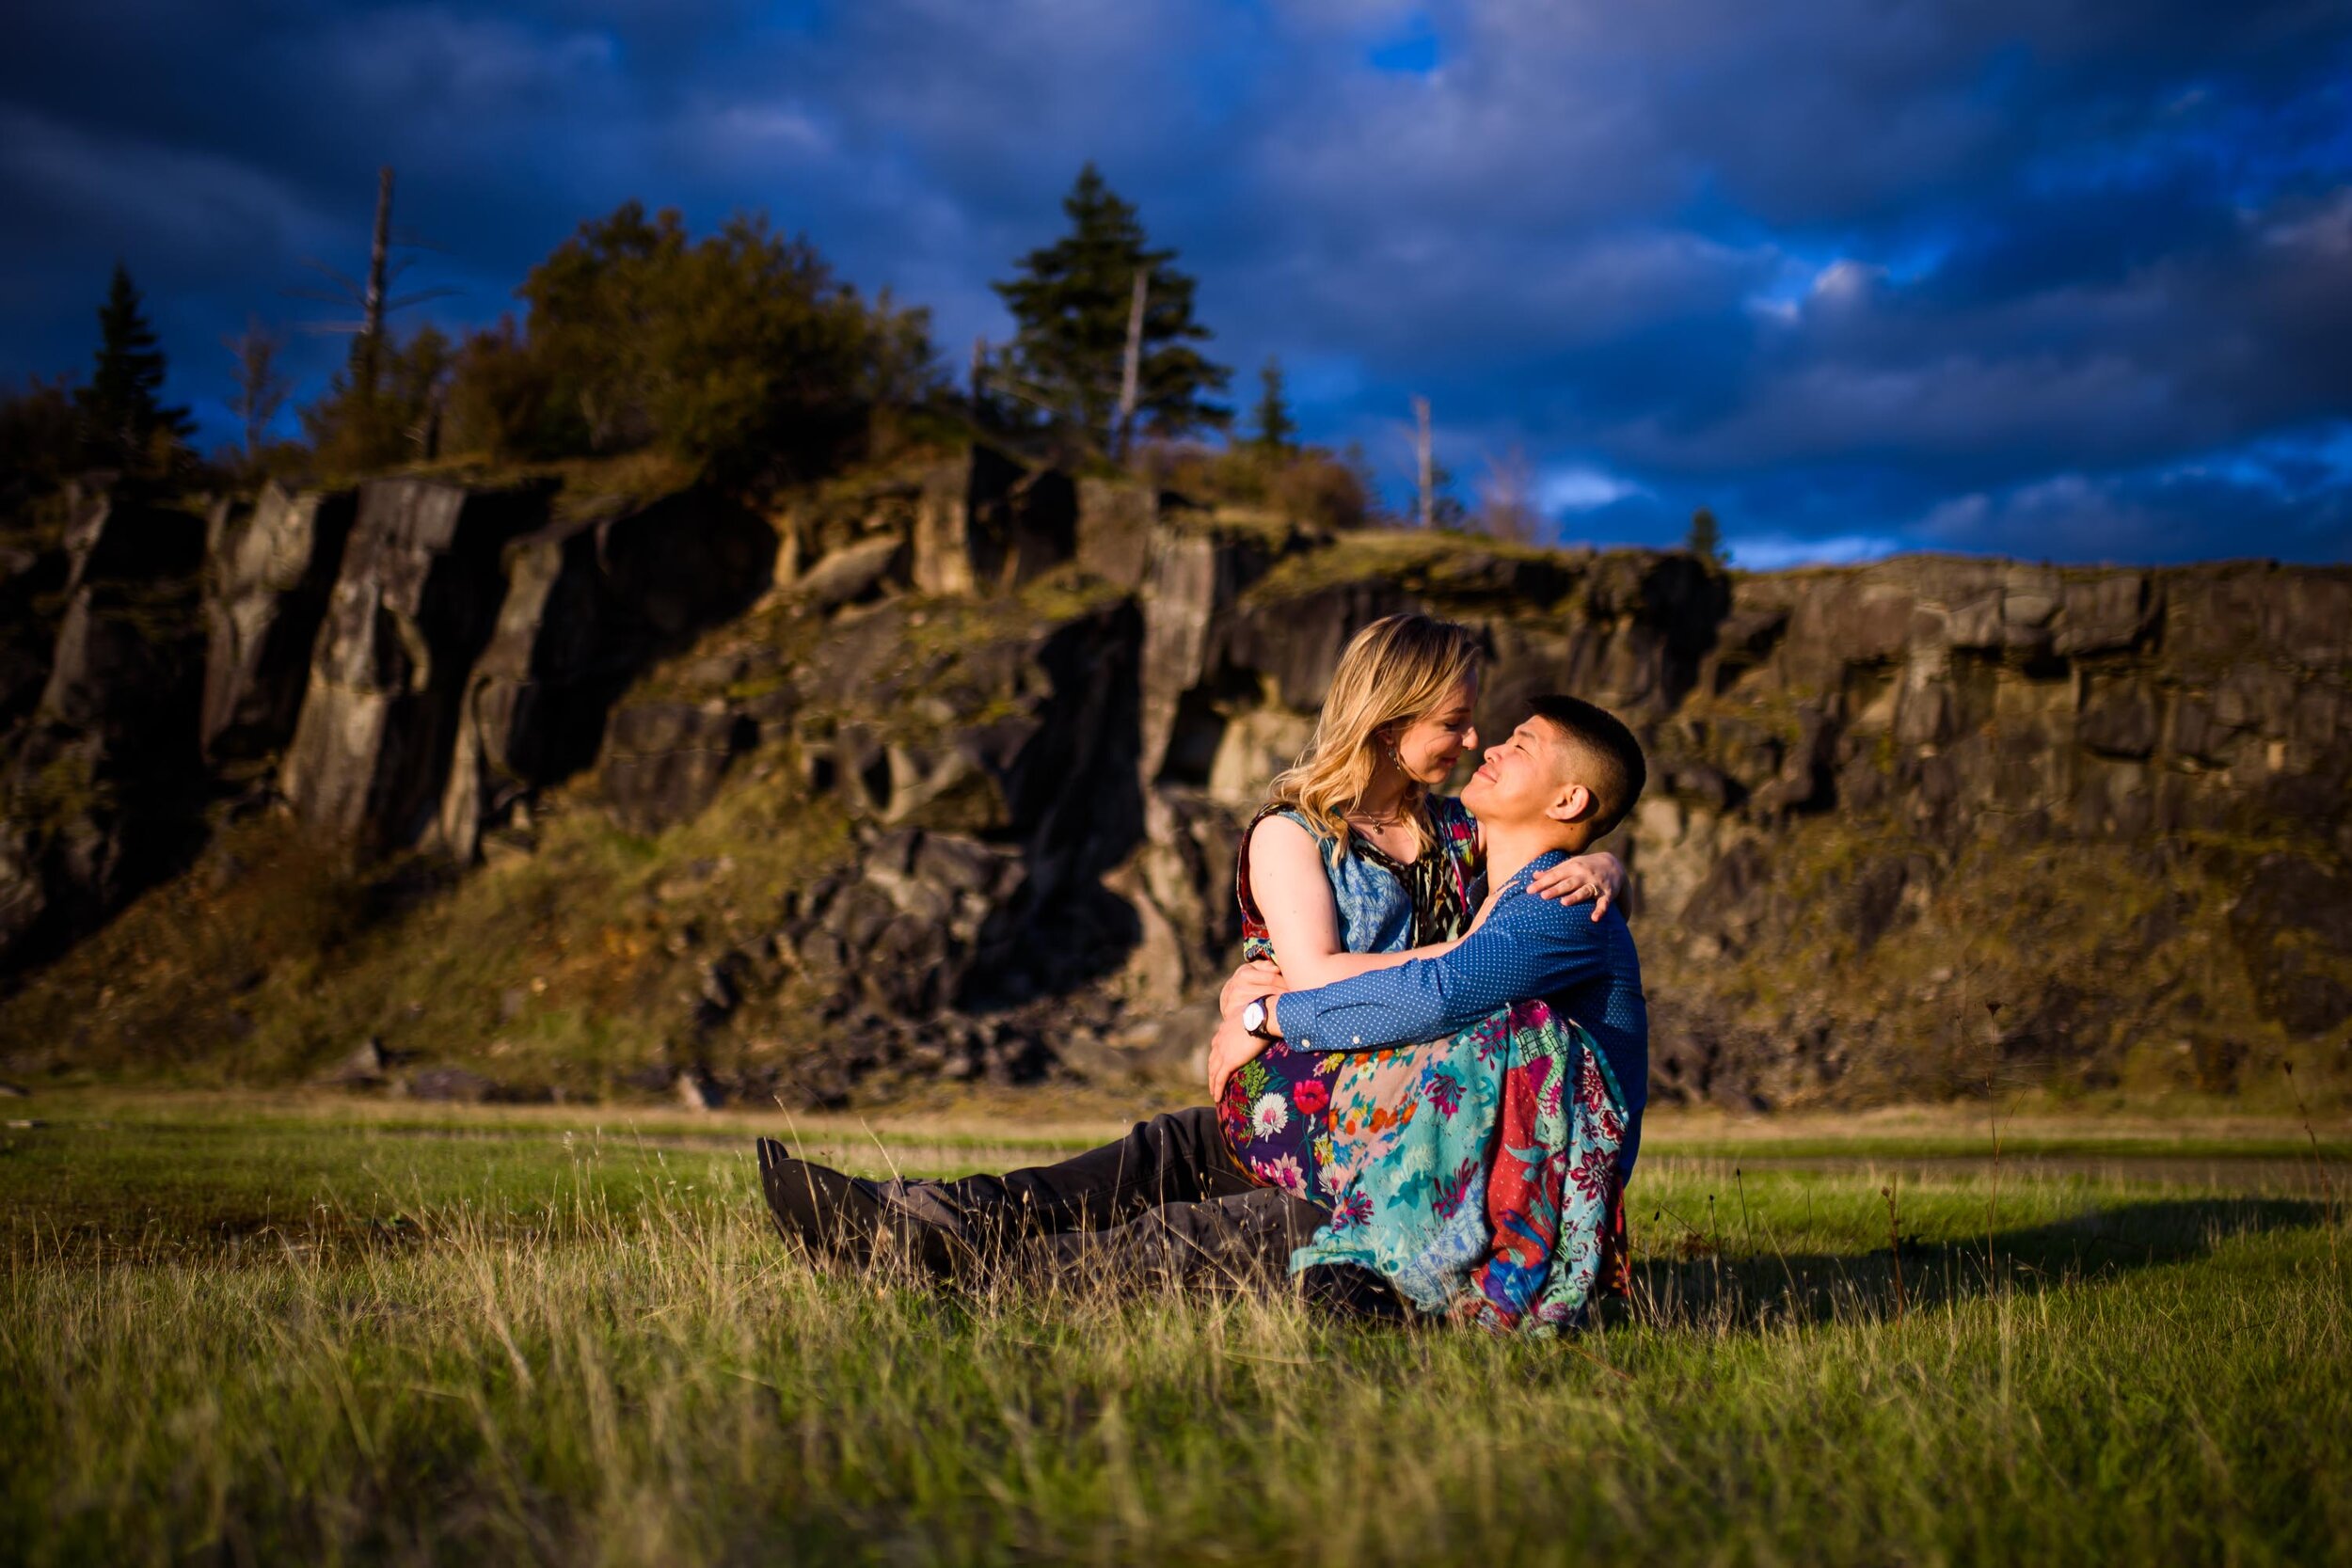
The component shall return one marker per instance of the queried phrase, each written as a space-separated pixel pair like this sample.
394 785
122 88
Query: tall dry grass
639 1371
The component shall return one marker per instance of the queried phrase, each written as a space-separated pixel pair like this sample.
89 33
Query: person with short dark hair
1606 755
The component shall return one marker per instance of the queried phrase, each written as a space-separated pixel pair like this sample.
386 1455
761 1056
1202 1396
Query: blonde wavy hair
1395 672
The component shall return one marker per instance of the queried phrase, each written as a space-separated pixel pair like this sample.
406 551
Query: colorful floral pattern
1276 1113
1483 1183
1477 1174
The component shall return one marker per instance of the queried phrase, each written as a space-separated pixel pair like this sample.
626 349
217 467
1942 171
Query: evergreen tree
1276 430
122 415
1707 538
1071 303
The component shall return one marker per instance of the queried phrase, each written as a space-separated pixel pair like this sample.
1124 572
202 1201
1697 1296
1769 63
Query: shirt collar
1517 884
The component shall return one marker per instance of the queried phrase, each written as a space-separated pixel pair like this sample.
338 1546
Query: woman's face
1432 744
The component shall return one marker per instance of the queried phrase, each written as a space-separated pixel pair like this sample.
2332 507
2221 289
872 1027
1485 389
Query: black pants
1166 1204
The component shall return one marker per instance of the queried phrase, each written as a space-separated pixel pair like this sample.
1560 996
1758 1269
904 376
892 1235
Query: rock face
31 580
985 751
852 573
101 779
893 940
1194 582
663 762
417 600
2294 917
1925 827
588 603
272 570
1881 748
987 521
1119 525
2104 704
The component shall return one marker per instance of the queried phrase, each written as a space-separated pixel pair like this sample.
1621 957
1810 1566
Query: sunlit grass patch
312 1338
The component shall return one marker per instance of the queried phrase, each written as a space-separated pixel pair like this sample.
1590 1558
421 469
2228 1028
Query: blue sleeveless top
1385 905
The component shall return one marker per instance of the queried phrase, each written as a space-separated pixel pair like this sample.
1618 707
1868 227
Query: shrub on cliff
1310 486
367 422
500 398
39 429
739 354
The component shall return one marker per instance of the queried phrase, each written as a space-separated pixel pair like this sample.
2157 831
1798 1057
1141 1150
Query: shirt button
1359 1040
1304 1040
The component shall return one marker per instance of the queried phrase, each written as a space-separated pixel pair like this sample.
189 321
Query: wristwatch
1253 1017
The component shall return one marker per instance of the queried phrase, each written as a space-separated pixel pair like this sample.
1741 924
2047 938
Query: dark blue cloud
2070 281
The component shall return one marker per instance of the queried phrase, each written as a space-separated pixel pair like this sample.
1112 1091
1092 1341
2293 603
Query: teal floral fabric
1481 1180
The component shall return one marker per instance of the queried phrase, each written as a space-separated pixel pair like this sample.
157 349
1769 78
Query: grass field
241 1329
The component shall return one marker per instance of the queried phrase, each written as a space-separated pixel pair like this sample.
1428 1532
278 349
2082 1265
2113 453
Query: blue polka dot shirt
1530 947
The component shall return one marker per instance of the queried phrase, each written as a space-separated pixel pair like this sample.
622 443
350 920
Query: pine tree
1071 303
1707 538
1276 430
122 415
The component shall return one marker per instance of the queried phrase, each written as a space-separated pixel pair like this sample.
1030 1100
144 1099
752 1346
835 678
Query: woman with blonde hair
1357 863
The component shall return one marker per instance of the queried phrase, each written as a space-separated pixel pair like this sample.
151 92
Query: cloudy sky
2058 278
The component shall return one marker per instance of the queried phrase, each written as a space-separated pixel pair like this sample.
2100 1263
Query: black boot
833 1215
845 1219
771 1154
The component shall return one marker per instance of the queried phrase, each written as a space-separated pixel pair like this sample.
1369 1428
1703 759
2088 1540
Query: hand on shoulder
1598 878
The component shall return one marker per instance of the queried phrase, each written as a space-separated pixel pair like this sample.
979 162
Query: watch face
1253 1016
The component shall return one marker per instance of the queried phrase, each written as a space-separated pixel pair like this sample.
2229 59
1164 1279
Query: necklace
1377 819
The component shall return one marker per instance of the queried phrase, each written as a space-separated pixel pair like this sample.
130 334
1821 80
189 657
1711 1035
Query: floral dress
1287 1114
1484 1182
1477 1174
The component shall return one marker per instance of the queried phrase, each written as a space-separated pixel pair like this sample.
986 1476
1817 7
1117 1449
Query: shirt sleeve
1530 947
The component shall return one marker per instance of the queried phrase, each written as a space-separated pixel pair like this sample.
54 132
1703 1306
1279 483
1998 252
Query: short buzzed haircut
1607 748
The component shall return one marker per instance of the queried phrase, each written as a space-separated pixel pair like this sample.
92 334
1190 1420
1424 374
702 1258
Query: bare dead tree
371 305
1130 368
1425 465
261 391
979 369
373 298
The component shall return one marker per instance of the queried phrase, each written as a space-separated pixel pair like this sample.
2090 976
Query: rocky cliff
938 773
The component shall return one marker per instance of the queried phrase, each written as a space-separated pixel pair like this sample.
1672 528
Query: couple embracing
1428 1082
